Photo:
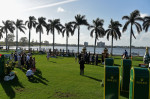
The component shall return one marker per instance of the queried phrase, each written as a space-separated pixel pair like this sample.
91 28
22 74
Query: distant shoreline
73 45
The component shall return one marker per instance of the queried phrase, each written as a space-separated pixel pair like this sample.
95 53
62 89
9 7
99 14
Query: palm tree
132 19
19 25
30 23
79 20
146 23
68 28
113 31
8 26
97 27
41 23
54 24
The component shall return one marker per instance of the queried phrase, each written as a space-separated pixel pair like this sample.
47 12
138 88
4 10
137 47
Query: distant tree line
23 41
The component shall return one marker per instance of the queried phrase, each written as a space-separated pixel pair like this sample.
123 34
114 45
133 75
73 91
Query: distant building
85 43
101 44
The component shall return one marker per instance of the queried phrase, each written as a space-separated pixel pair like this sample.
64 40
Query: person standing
48 55
15 56
22 60
87 59
81 62
27 61
79 57
125 55
12 57
75 57
33 63
30 62
19 60
96 59
93 59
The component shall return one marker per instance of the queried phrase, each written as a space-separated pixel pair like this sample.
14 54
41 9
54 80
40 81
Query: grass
59 78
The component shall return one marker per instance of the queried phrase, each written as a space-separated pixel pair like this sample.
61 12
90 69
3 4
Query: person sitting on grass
29 74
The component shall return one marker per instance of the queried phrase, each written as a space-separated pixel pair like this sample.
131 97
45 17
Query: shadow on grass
38 73
8 87
37 77
116 65
124 94
99 65
52 61
93 78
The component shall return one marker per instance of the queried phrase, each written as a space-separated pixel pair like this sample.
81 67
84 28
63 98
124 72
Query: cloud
59 9
143 15
50 5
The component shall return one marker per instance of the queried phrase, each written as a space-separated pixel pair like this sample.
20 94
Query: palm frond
125 18
146 23
91 33
139 19
125 26
108 34
138 27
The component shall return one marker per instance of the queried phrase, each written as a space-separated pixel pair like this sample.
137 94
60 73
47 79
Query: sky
66 10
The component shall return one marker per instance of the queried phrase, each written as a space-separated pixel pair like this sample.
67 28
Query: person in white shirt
28 58
29 73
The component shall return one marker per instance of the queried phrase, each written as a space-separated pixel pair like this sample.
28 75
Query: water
116 51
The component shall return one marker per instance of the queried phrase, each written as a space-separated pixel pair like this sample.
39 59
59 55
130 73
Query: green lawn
59 78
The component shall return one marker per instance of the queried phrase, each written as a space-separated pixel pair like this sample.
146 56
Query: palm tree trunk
16 38
40 41
112 47
130 39
95 45
29 39
53 40
66 43
78 38
6 40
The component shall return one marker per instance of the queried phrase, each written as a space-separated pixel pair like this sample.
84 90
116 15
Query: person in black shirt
93 59
96 60
81 62
79 57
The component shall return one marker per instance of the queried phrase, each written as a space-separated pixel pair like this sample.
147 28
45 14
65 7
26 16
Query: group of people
24 60
88 58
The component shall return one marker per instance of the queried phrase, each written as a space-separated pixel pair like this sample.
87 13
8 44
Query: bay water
116 51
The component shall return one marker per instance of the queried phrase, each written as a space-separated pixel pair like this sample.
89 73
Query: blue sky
67 9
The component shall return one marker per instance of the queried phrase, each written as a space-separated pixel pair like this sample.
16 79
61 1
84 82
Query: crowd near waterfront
116 51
